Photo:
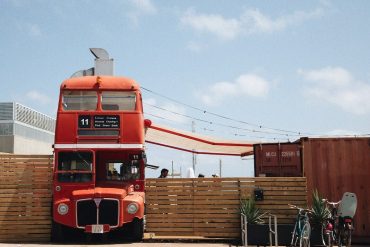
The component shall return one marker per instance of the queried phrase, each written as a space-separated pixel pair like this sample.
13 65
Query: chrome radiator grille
89 214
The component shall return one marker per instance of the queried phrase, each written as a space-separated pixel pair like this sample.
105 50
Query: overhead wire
212 130
219 124
292 133
223 116
222 125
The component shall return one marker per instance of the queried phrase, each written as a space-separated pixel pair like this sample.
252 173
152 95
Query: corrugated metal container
278 160
337 165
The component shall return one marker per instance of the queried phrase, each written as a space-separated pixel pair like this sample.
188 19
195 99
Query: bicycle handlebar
300 209
333 204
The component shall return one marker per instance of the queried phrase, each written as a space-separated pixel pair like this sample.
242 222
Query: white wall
24 145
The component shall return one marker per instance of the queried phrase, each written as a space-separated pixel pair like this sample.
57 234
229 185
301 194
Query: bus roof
99 82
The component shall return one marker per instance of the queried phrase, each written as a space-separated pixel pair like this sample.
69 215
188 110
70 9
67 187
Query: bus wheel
57 233
137 229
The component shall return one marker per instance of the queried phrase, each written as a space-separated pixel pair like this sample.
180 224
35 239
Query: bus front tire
137 229
57 233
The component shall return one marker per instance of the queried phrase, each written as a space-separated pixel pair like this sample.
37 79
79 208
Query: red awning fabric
195 143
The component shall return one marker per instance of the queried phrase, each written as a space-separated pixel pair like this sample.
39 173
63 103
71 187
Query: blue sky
300 66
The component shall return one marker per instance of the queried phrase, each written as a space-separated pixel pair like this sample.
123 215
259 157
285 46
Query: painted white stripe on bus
96 145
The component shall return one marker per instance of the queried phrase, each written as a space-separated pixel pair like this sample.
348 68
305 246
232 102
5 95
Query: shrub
254 215
320 211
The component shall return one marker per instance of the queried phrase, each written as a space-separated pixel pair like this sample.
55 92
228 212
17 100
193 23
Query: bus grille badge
97 201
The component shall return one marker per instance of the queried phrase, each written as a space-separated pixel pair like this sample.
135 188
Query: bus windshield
75 166
118 101
122 170
79 100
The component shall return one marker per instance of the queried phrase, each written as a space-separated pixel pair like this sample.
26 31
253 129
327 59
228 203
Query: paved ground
129 244
157 244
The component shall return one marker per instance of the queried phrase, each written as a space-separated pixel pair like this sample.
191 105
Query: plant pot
258 234
285 234
316 238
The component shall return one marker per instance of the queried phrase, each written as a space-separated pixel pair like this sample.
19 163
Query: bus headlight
132 208
63 209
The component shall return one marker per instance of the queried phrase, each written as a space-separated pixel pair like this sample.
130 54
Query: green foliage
320 210
253 214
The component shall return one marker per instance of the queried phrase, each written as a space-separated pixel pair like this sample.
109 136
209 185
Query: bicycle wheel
304 238
294 240
326 236
345 236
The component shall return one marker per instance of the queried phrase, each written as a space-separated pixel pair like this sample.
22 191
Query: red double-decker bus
99 157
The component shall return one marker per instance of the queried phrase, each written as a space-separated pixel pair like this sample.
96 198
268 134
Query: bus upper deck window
79 100
118 101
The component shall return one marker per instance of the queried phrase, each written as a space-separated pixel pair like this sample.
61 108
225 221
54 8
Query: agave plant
253 214
320 210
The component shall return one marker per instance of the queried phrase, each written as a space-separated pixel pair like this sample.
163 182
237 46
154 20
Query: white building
24 130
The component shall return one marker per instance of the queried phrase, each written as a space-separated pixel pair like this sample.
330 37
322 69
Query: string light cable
292 133
222 116
220 124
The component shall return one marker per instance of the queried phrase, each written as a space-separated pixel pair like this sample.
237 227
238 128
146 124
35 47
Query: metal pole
220 168
244 230
172 169
273 232
276 232
194 155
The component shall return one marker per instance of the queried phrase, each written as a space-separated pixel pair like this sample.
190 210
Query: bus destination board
106 121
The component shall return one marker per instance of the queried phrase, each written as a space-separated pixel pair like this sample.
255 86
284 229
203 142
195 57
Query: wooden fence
206 207
25 198
209 207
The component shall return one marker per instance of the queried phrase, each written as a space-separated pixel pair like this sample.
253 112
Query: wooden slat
207 207
210 207
25 198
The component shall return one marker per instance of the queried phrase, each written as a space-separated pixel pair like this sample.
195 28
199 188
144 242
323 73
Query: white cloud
342 132
245 85
140 8
216 24
34 95
255 21
144 6
168 115
337 86
250 21
335 76
253 85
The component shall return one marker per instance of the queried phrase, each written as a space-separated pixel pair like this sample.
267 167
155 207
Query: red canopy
195 143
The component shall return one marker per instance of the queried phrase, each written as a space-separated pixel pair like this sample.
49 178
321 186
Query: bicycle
302 227
338 228
329 229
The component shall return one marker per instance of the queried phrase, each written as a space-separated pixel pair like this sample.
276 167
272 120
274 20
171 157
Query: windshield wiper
80 156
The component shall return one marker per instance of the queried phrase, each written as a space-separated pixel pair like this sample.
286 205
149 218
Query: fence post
243 220
273 232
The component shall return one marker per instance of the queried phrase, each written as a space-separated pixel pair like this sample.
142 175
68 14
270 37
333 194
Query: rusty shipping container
337 165
278 160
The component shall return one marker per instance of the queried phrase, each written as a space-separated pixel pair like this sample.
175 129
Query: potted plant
320 213
257 231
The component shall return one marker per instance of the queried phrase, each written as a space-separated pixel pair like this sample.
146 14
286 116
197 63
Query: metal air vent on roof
103 64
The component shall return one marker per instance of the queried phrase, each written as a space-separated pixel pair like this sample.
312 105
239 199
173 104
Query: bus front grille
88 212
108 212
